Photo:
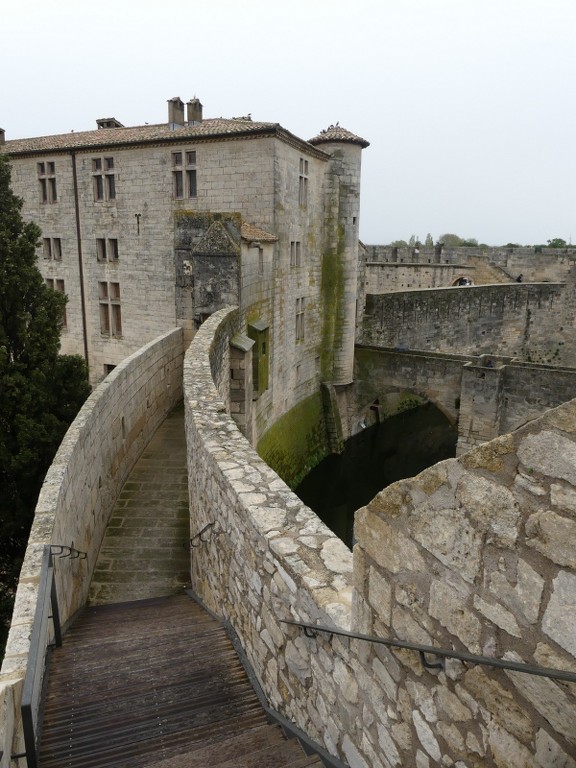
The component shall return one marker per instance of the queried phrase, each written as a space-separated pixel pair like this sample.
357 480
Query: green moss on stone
297 442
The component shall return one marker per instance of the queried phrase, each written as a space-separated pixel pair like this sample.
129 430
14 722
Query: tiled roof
252 233
143 134
336 133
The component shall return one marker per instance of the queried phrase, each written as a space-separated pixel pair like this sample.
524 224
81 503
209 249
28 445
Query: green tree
453 240
429 242
40 391
557 242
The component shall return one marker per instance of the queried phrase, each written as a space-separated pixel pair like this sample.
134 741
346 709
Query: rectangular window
110 309
303 184
191 174
52 248
58 285
300 307
103 178
47 182
295 253
107 249
101 249
184 174
113 249
177 175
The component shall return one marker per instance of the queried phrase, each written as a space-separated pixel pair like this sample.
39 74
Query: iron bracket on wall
207 533
312 630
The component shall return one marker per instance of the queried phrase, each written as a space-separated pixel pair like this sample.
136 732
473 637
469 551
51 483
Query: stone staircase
486 273
156 683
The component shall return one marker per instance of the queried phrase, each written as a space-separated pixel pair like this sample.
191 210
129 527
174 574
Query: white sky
468 105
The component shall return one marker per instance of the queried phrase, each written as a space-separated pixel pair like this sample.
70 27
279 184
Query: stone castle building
161 226
158 226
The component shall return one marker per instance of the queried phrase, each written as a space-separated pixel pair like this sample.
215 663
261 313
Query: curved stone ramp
156 683
145 551
146 676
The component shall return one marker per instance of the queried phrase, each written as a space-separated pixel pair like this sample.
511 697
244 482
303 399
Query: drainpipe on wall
80 261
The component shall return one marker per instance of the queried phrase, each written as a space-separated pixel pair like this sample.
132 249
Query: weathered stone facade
137 230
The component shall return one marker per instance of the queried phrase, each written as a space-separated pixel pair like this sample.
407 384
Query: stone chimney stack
2 136
175 113
194 109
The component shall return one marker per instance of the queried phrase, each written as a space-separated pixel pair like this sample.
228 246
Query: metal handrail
46 608
311 630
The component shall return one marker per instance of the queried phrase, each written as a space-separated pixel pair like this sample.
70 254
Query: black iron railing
311 630
46 633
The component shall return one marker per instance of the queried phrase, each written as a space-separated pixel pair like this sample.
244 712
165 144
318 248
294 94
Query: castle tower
340 255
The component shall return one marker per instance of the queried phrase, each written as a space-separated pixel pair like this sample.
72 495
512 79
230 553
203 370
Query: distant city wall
93 461
386 269
532 322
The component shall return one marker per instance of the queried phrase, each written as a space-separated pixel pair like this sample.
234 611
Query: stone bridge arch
388 381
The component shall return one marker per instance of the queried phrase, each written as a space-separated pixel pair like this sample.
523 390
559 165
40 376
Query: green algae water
399 447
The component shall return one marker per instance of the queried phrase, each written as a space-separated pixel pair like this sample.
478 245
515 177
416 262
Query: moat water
399 447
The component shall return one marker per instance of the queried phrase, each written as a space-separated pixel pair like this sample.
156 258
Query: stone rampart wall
473 554
389 277
93 461
269 557
534 264
476 554
531 322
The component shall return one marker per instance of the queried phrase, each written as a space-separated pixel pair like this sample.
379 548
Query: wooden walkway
156 683
145 676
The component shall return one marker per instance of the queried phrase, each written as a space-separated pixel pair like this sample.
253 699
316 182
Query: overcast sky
468 105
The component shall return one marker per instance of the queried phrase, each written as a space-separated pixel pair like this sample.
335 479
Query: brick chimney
175 113
194 111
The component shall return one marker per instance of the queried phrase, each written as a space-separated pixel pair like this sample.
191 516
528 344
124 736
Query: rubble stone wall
477 554
474 554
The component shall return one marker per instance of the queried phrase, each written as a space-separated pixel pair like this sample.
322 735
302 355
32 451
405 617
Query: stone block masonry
531 322
93 461
474 554
478 554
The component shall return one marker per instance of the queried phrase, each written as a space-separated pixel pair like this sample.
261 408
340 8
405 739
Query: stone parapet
532 322
269 556
477 554
87 474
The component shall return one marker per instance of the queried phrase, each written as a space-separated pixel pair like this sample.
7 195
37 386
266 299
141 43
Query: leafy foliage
40 391
557 242
453 240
